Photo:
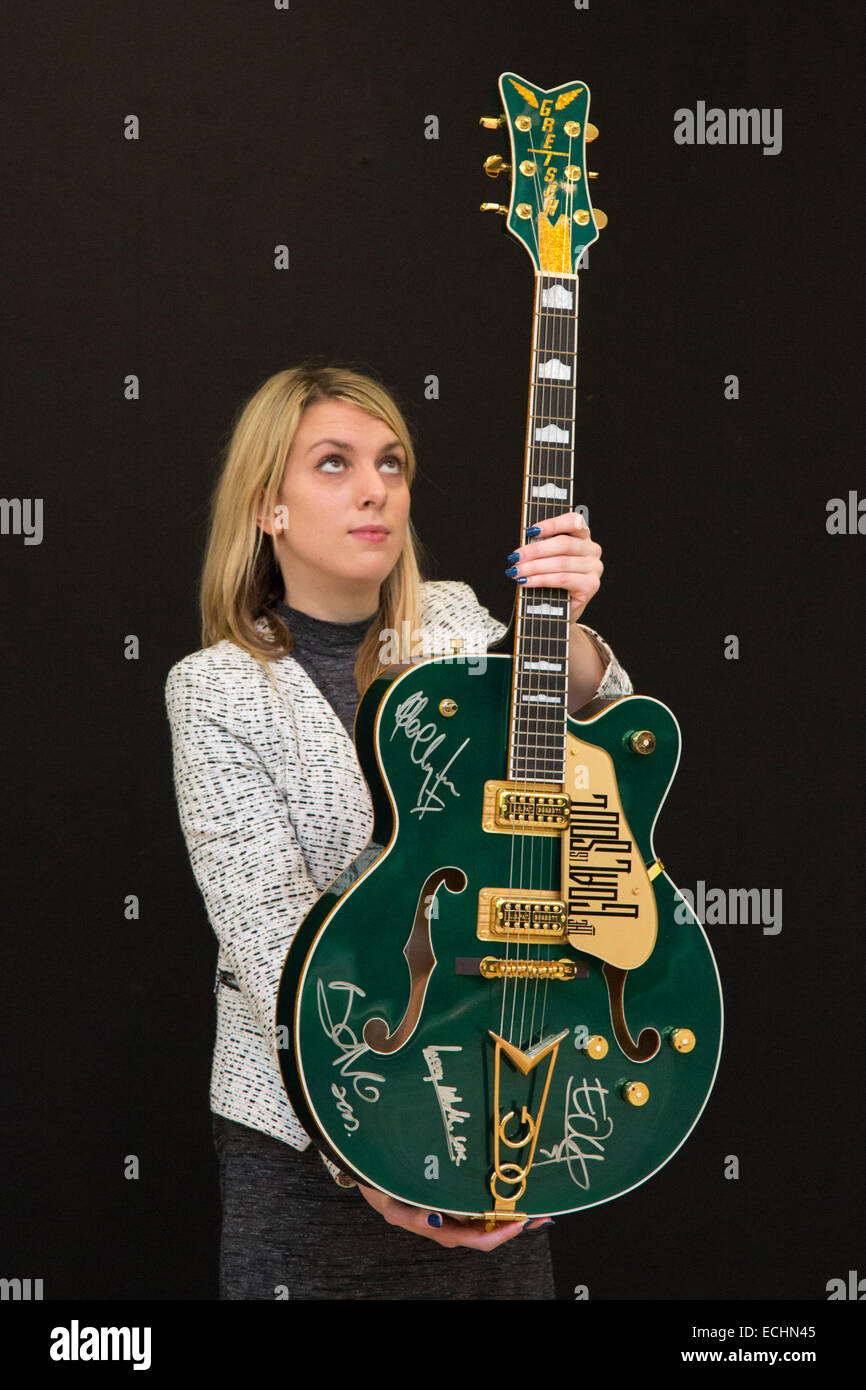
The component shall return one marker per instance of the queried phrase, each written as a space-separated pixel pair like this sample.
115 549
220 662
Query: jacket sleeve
616 680
245 855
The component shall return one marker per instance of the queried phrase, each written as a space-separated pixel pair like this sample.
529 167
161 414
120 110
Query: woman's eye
398 463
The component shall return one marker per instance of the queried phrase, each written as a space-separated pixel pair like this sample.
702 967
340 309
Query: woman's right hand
452 1232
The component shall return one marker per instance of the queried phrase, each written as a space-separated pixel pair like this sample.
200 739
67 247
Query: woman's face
343 505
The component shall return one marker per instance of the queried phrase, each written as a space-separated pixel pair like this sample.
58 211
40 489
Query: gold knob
600 218
682 1039
644 741
447 707
596 1046
495 165
491 122
635 1092
591 131
494 207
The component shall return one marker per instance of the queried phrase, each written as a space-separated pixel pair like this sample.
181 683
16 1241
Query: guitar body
522 1093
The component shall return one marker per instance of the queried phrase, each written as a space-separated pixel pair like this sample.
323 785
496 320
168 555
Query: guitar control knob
495 165
491 122
596 1047
600 218
494 207
591 131
644 741
682 1039
635 1092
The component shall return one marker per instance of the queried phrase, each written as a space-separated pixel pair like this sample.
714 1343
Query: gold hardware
524 210
581 217
495 165
492 1219
447 707
653 870
511 1174
523 123
495 968
596 1047
682 1039
591 131
644 741
635 1092
538 915
491 122
494 207
591 174
527 168
532 808
572 172
600 218
572 128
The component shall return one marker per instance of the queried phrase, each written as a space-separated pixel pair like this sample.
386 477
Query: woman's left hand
562 556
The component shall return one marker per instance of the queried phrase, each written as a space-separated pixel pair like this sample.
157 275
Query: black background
155 257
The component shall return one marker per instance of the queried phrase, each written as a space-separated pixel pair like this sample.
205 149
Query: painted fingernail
515 555
434 1219
512 572
534 531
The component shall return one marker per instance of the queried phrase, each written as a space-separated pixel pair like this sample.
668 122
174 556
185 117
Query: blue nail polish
523 580
434 1219
512 572
534 531
515 555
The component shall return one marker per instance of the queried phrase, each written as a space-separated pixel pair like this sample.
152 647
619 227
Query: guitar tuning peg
600 218
590 174
496 165
591 131
494 207
491 122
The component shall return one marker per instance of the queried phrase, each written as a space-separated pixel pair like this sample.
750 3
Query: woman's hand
562 556
451 1232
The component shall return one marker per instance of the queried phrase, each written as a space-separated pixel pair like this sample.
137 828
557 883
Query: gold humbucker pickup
531 808
536 915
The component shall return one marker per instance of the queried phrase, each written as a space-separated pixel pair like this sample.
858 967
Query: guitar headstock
550 209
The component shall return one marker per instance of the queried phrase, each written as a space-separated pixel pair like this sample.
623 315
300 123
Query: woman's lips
365 533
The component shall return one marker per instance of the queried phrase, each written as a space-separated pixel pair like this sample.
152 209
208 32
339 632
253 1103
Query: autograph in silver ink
448 1098
406 718
587 1123
350 1049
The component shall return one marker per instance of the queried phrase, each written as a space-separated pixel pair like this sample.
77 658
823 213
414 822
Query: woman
311 557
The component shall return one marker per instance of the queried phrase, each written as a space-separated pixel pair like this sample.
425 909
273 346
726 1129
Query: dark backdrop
154 257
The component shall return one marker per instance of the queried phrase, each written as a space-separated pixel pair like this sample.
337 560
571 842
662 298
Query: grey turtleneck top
327 653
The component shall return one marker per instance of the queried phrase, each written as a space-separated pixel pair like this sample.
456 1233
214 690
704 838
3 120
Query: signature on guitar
586 1123
406 718
349 1048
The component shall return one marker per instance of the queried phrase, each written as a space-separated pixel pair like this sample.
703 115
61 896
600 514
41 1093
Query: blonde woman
311 557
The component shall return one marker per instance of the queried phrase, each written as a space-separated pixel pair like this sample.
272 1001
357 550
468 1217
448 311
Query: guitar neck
539 696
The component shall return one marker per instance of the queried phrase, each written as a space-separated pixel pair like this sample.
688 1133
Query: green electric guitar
509 1011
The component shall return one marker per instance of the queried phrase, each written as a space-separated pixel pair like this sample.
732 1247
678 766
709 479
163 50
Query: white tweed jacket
273 806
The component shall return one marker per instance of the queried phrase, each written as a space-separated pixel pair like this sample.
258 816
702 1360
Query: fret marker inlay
549 490
557 297
554 369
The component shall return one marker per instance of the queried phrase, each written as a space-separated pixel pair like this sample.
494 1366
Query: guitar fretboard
540 687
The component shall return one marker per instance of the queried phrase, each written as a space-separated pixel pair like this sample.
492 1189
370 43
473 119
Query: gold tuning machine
494 207
491 122
600 218
591 131
591 174
495 165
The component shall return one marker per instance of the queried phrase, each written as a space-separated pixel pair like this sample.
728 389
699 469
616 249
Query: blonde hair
241 578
